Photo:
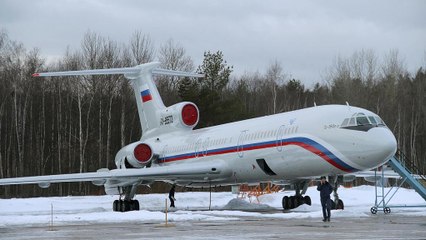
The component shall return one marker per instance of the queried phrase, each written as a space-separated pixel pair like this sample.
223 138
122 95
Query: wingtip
36 75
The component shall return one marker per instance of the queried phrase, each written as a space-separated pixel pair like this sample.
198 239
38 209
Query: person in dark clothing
172 196
325 190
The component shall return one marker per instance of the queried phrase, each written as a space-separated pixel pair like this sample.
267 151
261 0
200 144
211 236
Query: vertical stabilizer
147 96
150 105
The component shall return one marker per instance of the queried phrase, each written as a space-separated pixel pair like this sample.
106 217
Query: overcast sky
303 36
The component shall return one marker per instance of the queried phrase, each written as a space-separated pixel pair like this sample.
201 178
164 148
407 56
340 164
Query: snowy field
193 206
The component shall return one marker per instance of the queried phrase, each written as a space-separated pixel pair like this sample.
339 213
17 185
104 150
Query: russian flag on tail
146 95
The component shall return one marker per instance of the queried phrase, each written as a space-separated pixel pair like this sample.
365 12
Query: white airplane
287 148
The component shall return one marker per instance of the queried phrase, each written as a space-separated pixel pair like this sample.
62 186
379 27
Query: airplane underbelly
289 163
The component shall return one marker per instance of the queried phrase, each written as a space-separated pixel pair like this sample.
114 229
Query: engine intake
183 115
135 155
143 153
189 114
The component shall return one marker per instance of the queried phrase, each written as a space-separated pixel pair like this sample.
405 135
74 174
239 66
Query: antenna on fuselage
347 104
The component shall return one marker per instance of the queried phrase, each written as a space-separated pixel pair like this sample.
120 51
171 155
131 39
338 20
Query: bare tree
141 48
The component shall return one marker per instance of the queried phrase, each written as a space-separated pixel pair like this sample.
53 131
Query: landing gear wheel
340 204
115 205
134 205
296 201
307 200
333 204
387 210
373 210
290 202
285 203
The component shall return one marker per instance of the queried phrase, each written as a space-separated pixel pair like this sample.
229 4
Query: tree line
77 124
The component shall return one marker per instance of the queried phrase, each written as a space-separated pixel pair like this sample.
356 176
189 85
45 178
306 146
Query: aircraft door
198 148
240 143
164 152
205 146
280 136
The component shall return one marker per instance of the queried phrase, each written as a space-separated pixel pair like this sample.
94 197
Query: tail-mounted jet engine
181 115
136 155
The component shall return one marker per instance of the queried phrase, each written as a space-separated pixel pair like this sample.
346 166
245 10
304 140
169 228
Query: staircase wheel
387 210
373 210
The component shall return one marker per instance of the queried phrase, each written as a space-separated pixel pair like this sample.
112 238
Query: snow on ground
192 206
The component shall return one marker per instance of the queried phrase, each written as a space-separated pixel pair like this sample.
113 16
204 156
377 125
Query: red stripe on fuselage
308 147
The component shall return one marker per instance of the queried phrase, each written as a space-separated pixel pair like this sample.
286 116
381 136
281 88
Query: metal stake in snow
166 212
51 217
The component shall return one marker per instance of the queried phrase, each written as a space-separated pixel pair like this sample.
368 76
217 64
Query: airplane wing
371 174
197 171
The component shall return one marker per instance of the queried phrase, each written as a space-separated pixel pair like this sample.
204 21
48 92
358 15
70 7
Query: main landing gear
127 203
337 203
297 200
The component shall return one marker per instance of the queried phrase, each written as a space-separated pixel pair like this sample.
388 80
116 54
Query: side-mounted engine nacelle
183 115
135 155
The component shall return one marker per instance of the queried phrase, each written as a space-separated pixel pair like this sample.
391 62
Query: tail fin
148 100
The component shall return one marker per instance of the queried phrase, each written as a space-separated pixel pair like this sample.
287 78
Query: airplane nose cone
384 144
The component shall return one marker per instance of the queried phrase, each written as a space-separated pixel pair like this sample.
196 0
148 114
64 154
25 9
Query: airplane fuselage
294 145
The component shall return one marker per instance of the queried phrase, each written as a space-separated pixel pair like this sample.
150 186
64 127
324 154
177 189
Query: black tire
373 210
387 210
333 204
307 200
285 203
124 206
290 202
136 205
115 206
340 205
297 202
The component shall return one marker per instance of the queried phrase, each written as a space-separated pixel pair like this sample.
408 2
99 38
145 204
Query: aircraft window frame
380 122
345 122
362 120
372 120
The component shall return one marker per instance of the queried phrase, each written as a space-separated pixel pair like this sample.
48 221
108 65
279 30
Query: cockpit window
372 119
380 121
362 121
345 122
352 122
359 121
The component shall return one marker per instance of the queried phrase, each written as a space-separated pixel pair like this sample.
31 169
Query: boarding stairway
409 173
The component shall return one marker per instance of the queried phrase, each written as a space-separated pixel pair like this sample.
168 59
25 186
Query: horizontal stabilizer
129 72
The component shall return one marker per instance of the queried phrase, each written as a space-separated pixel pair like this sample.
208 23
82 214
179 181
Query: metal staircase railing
410 165
412 178
409 173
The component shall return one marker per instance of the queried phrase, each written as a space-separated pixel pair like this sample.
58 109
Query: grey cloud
305 36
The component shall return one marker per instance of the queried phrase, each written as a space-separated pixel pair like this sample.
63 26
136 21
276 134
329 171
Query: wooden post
166 211
210 204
